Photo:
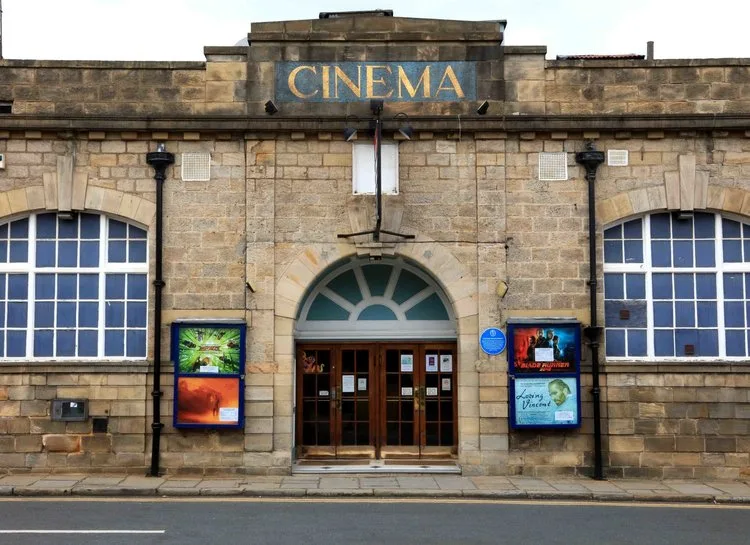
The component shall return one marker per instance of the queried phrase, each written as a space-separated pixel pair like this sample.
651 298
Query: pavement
376 486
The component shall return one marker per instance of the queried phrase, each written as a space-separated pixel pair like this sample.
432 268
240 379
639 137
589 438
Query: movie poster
544 348
207 400
209 349
547 401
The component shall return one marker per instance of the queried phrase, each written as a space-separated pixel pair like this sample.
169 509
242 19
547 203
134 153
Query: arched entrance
376 364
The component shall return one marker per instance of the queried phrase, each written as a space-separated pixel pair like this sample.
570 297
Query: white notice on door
446 363
431 391
431 363
407 391
347 383
407 363
446 385
362 384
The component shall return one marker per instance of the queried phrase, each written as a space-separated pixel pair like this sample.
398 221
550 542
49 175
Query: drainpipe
159 160
591 159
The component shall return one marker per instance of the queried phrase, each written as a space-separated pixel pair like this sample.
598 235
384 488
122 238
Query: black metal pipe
378 174
591 159
159 160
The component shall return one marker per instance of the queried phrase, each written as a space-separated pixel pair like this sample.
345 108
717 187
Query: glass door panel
315 433
355 400
400 436
439 399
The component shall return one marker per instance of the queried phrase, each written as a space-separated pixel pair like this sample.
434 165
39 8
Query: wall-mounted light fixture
502 289
161 147
350 133
404 130
483 107
270 108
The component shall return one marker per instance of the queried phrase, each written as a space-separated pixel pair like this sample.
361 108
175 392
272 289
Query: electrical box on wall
70 410
2 161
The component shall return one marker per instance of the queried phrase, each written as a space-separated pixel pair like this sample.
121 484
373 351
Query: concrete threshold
375 467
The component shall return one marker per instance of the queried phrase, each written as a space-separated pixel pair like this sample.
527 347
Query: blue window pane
114 342
707 314
732 251
746 247
633 229
137 251
67 228
684 312
87 343
3 251
662 286
136 232
746 230
660 226
2 286
136 343
66 286
2 317
730 229
88 314
708 342
4 230
46 253
705 253
45 286
89 226
44 314
67 254
66 314
613 232
88 286
735 340
89 253
684 337
684 286
17 314
117 229
19 251
663 314
682 228
635 315
18 286
114 287
637 342
733 286
43 343
683 253
633 251
613 286
117 251
66 343
19 228
661 253
747 283
16 346
136 286
663 342
46 225
615 340
114 314
734 314
612 251
136 315
704 225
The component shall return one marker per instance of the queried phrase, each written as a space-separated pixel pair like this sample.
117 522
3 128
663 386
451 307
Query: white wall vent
617 158
553 166
196 167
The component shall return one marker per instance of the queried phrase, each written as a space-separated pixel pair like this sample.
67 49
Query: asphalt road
351 522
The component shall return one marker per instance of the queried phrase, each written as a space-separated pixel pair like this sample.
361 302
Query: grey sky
179 29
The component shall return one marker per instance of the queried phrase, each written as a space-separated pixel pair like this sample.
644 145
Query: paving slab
181 483
378 482
641 485
733 488
101 481
419 483
416 493
133 481
19 480
694 488
221 483
53 483
340 483
340 492
455 483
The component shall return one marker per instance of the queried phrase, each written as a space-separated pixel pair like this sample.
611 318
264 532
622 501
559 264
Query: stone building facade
259 241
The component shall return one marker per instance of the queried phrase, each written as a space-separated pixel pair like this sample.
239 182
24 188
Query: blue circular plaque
492 341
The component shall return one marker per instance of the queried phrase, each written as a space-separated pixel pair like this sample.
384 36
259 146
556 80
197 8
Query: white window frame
363 168
30 269
719 269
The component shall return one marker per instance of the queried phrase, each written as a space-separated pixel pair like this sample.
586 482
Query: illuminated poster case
544 362
209 368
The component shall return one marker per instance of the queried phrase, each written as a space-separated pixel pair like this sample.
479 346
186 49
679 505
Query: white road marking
82 531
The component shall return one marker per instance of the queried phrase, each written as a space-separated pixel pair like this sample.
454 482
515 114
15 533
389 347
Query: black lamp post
591 159
159 160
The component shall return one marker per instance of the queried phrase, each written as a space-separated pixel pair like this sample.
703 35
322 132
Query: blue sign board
492 341
362 81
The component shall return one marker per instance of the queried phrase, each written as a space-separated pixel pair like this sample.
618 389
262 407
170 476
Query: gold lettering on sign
455 86
339 74
326 81
292 81
371 80
424 81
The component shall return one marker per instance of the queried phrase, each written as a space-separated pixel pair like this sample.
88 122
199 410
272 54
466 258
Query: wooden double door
376 400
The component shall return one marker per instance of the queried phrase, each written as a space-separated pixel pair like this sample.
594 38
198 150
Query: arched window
677 286
72 288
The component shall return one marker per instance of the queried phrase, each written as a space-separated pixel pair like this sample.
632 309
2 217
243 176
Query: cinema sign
361 81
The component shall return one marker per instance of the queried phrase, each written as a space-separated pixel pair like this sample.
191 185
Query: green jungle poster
209 350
